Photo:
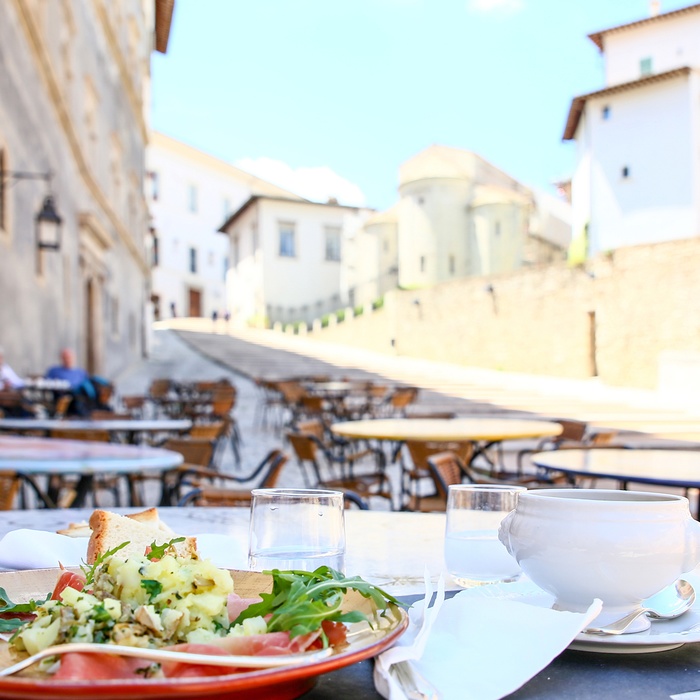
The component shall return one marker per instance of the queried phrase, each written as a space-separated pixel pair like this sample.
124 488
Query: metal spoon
163 655
667 604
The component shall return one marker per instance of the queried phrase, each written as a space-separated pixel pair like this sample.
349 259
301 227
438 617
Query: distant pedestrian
173 311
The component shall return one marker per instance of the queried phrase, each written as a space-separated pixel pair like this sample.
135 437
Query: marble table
394 548
49 456
131 428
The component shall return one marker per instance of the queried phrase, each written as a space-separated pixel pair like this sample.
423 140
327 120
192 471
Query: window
236 252
155 186
625 171
287 247
227 208
193 260
154 260
605 112
422 263
332 234
451 264
114 314
193 198
225 268
497 229
645 66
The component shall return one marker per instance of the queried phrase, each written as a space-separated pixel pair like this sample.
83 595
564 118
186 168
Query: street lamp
47 221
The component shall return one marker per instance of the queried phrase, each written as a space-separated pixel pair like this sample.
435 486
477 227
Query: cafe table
669 468
483 432
394 549
50 456
128 427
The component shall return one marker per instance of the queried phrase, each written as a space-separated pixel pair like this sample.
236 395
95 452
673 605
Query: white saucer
663 635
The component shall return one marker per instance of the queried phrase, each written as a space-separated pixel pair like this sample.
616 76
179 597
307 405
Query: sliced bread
109 530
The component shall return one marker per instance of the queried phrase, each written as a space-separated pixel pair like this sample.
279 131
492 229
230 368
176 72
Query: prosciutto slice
236 605
98 667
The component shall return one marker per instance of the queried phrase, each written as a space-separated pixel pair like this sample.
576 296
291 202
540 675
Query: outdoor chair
337 470
417 481
15 486
206 493
395 402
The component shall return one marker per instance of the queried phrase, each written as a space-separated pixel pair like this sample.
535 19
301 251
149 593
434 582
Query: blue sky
329 97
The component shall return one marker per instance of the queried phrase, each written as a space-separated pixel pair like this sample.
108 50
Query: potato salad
142 601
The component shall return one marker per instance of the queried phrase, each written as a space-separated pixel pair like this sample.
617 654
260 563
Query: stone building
74 87
191 193
637 172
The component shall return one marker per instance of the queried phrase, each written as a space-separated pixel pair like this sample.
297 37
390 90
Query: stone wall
616 318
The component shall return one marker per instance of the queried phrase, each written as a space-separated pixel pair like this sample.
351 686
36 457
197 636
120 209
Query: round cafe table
484 432
49 456
118 426
672 468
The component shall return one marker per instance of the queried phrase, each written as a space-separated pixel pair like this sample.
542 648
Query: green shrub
358 310
378 303
340 315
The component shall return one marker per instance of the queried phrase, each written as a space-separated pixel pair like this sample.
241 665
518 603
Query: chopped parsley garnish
152 587
157 551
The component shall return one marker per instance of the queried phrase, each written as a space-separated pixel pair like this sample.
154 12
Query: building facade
74 85
460 216
191 193
286 256
637 171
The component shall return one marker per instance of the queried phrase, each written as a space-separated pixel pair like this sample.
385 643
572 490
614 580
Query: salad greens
301 600
9 624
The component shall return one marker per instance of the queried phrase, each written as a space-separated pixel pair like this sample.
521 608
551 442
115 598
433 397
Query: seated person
79 381
8 377
67 371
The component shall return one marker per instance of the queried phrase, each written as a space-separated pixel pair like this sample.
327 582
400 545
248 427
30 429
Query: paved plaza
195 349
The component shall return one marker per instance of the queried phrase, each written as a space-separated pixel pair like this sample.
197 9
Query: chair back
572 430
87 435
208 431
9 488
304 447
311 427
196 451
159 388
420 451
403 396
447 470
100 414
61 405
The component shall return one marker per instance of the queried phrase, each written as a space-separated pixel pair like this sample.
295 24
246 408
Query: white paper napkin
482 644
37 549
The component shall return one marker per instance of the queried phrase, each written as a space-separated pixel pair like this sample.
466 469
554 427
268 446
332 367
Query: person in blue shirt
75 376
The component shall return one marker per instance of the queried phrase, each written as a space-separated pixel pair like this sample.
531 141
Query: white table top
446 429
116 425
391 549
49 455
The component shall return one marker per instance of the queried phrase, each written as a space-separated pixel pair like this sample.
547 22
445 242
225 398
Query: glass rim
295 492
486 487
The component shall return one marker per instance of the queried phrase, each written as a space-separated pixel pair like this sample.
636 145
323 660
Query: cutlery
667 604
256 662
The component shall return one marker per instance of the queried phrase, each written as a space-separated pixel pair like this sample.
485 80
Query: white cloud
318 184
495 6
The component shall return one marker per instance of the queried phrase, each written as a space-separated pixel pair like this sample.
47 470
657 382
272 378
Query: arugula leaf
301 600
157 551
90 570
7 606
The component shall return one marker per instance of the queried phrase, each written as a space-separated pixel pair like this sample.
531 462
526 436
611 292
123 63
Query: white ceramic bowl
619 546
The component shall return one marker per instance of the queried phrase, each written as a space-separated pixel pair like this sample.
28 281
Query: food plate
663 635
278 684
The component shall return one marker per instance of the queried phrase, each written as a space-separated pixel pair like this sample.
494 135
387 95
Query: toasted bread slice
147 517
109 530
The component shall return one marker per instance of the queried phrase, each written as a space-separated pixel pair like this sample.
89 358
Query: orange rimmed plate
270 684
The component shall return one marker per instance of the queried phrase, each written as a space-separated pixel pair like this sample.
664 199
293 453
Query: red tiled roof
597 37
578 103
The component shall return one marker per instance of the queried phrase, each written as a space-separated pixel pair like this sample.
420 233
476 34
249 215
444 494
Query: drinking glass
296 529
473 553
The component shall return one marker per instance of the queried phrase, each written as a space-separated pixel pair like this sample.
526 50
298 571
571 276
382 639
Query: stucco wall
640 304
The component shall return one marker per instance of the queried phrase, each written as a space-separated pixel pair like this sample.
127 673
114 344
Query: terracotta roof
579 103
164 18
597 37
